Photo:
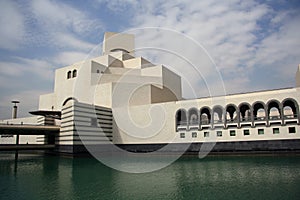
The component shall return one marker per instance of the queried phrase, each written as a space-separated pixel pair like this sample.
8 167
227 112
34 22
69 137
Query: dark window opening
182 135
292 129
74 73
261 131
247 132
69 75
232 133
275 130
206 134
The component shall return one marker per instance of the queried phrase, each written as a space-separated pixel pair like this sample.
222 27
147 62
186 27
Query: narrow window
182 135
232 132
194 134
292 129
275 130
74 73
246 132
261 131
219 133
98 71
69 75
206 134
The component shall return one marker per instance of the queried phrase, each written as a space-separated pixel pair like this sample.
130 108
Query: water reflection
48 177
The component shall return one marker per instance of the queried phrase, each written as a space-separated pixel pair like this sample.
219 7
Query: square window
247 132
194 134
292 129
182 135
275 130
219 133
206 134
261 131
232 132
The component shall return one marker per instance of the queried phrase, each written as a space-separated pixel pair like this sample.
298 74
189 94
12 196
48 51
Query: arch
69 99
69 75
274 105
231 109
292 103
219 112
74 73
193 114
181 117
245 111
119 49
257 106
205 115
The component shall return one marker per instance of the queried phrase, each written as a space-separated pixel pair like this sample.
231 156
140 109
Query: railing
218 122
290 116
182 123
274 117
260 118
245 119
192 123
205 122
23 124
231 121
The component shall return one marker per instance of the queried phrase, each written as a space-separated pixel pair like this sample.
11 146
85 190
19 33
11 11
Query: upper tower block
298 77
114 42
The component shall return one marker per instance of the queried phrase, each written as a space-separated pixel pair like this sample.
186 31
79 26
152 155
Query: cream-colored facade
91 94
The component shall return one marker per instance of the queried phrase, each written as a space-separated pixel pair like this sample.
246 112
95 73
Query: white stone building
121 99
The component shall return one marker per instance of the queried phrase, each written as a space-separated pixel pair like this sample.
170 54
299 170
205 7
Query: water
216 177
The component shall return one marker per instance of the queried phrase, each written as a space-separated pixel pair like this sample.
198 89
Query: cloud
119 5
243 38
69 57
12 26
64 40
64 26
35 67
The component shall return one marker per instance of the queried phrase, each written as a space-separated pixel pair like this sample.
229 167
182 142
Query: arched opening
205 116
193 116
245 112
69 99
231 113
290 109
288 112
119 49
181 119
218 115
259 112
69 75
74 73
274 110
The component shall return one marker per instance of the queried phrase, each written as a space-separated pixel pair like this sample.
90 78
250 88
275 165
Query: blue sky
254 44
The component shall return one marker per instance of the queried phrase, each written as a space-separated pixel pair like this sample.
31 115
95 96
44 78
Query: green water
49 177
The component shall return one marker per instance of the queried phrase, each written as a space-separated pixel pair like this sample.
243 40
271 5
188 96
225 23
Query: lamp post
15 109
14 116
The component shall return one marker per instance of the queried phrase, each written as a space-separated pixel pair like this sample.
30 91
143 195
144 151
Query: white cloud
20 66
12 25
69 57
240 36
63 25
119 5
68 40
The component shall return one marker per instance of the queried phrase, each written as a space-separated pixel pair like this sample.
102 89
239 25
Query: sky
254 45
